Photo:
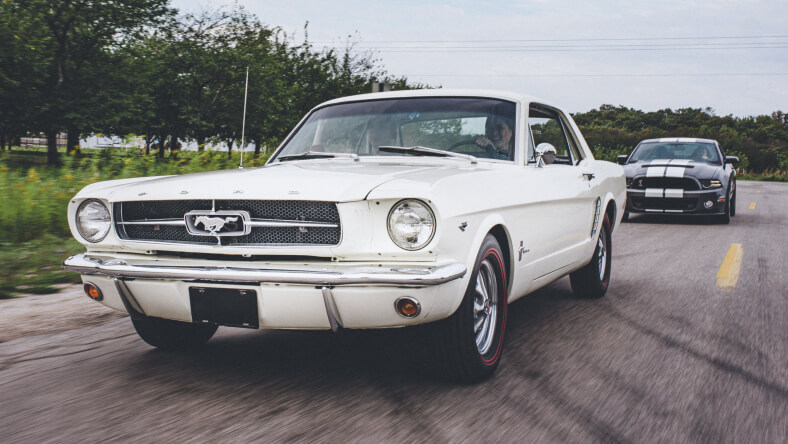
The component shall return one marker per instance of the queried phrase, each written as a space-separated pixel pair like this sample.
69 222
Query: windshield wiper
316 155
425 151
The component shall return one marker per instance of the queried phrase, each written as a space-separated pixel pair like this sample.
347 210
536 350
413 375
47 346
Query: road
671 354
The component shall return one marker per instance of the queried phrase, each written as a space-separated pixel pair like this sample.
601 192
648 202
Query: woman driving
498 135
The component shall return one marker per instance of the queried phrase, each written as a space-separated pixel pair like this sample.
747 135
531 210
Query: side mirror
731 159
545 154
622 159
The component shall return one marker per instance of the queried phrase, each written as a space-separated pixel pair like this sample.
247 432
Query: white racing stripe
655 171
676 171
654 193
671 193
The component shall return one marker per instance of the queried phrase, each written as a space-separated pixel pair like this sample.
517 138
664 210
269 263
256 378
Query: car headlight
93 220
710 183
411 224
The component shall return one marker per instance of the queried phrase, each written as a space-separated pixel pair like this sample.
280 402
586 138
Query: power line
653 45
755 74
572 40
590 49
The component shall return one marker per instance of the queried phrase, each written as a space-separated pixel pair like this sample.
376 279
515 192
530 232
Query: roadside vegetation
34 233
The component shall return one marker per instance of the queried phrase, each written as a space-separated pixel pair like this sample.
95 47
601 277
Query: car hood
338 180
699 170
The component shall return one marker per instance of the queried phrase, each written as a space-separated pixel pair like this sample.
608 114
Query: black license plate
224 306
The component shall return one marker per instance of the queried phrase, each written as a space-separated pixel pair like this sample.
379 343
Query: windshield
695 151
478 127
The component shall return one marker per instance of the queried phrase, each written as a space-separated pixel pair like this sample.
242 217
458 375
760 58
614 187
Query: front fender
459 244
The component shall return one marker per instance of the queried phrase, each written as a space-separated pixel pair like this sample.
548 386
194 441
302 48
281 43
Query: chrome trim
290 223
362 274
176 222
190 220
132 306
331 310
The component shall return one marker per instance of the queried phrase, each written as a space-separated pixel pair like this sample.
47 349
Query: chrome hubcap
601 255
485 306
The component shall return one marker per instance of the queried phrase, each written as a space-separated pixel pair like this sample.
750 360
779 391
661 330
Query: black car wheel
173 335
733 200
591 281
467 346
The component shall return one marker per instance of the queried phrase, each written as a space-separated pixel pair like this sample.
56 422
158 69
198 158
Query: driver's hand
483 141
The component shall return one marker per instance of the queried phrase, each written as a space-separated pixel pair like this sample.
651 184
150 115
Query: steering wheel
489 148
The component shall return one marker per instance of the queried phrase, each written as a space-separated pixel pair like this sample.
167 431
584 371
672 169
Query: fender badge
463 226
521 251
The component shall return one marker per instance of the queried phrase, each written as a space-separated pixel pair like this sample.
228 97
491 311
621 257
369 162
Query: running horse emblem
213 224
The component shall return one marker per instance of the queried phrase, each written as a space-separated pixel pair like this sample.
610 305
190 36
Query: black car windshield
480 127
694 151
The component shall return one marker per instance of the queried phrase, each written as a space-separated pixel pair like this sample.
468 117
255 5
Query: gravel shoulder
69 309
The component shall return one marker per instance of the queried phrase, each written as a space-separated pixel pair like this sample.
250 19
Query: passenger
498 134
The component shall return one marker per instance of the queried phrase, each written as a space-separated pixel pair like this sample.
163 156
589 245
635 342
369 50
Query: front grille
684 204
163 221
675 183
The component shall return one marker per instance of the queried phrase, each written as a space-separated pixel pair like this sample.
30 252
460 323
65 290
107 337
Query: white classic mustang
378 210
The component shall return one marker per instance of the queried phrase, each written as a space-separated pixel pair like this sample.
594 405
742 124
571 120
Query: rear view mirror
622 160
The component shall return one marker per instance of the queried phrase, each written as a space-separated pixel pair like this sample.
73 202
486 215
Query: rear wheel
468 345
591 281
173 335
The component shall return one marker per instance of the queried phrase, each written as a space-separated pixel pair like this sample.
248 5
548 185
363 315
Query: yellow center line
728 274
752 206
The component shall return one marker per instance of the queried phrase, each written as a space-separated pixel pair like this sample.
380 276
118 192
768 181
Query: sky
731 56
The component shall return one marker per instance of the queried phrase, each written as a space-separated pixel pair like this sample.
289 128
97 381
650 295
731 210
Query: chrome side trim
362 274
331 310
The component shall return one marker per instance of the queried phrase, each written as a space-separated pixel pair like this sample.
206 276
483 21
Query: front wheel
725 218
469 343
591 281
173 335
733 201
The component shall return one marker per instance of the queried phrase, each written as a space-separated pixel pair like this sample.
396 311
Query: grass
34 233
35 266
772 176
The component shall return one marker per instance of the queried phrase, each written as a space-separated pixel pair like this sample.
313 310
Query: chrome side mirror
545 154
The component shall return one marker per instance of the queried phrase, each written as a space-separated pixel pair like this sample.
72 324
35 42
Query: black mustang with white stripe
681 176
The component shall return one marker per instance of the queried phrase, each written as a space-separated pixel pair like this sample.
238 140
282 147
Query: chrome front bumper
319 275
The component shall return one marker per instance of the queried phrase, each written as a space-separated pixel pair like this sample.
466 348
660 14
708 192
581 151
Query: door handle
589 176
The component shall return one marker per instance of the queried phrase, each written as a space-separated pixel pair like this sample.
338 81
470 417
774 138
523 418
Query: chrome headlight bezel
416 210
101 215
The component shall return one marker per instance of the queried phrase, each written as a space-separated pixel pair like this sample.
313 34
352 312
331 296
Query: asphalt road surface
672 354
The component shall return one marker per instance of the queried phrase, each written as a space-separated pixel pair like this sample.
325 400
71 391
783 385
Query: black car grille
651 203
137 221
674 183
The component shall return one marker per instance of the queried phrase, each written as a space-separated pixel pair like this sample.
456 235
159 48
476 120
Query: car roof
494 94
679 140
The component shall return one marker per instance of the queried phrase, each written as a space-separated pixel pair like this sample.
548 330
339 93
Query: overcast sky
730 55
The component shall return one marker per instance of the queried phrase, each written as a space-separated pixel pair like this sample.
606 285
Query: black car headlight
710 183
93 220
